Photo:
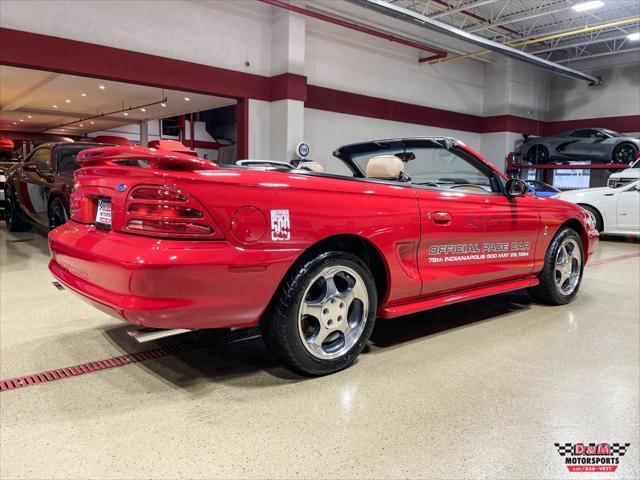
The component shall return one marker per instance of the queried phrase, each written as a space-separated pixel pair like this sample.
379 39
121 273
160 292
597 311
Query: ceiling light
14 123
54 106
634 37
81 125
163 105
92 123
83 94
67 101
21 120
125 114
29 116
101 87
584 6
187 99
143 109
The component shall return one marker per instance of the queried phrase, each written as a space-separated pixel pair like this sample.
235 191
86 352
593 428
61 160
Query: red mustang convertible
168 241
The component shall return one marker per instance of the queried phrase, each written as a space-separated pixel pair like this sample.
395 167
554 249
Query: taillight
82 208
165 212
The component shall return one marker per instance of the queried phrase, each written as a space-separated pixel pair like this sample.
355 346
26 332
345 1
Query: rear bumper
167 283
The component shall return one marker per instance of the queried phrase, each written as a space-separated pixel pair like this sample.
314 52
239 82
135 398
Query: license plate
103 214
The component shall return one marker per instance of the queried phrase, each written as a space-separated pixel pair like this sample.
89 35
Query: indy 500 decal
468 252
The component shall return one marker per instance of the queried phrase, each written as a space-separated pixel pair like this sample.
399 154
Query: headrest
385 167
313 166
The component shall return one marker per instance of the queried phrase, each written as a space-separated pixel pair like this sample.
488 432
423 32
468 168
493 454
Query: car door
471 233
36 177
629 208
588 145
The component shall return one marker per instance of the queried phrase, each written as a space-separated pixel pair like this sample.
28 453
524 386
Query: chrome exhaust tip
145 335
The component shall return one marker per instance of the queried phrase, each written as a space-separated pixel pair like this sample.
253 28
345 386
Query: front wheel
562 272
624 153
323 314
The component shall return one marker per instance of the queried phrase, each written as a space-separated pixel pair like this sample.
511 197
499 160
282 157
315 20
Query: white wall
220 33
618 95
345 60
326 131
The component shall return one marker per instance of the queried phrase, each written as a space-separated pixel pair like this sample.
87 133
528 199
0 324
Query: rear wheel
538 155
562 272
323 314
57 214
624 153
12 214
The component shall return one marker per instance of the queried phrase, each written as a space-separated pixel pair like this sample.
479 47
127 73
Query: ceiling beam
461 8
595 55
578 44
24 96
520 18
414 18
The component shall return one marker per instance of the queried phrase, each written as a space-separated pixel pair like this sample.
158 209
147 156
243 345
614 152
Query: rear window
66 158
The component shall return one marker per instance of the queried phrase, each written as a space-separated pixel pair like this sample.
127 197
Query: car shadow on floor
242 359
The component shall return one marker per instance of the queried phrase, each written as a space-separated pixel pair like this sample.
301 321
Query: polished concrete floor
475 390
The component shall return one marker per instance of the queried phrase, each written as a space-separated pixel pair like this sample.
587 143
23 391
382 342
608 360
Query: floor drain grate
95 366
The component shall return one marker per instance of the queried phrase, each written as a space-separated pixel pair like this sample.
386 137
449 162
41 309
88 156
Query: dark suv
38 188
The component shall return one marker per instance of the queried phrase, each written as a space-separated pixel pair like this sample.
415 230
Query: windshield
611 132
434 167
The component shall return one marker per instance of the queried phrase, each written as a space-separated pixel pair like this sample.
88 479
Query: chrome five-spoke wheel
333 312
568 266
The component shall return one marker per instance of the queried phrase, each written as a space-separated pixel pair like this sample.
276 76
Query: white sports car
617 210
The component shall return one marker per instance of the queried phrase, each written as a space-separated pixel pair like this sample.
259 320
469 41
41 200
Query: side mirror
516 188
30 167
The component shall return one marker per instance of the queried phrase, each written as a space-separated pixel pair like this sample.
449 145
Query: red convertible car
168 241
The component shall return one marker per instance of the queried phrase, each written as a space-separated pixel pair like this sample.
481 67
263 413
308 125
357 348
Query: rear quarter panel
318 207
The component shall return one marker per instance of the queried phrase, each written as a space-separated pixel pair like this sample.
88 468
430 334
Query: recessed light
143 109
163 105
634 37
92 123
584 6
14 123
81 125
101 87
54 106
187 99
29 116
125 114
67 101
21 120
83 94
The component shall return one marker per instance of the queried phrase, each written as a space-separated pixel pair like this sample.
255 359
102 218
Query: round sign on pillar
303 150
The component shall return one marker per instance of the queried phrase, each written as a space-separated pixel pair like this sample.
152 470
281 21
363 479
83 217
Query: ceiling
527 21
38 101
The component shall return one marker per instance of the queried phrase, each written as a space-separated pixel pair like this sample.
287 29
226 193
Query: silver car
593 144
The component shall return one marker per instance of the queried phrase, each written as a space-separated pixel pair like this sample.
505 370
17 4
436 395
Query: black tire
624 153
281 323
538 155
13 215
548 291
598 216
57 214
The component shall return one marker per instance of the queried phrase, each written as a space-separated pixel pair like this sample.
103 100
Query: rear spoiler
158 159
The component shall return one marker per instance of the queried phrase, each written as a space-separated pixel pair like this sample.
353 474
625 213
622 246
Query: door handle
441 218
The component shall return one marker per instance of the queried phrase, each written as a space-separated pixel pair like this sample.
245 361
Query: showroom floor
475 390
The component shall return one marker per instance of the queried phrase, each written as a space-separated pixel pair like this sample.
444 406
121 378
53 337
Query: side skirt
456 297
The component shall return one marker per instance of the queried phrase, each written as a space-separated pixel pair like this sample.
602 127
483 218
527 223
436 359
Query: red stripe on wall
31 50
44 52
322 98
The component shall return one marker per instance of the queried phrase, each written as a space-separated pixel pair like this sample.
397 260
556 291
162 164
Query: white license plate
103 215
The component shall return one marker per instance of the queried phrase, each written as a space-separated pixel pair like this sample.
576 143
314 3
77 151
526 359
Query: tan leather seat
385 167
313 166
